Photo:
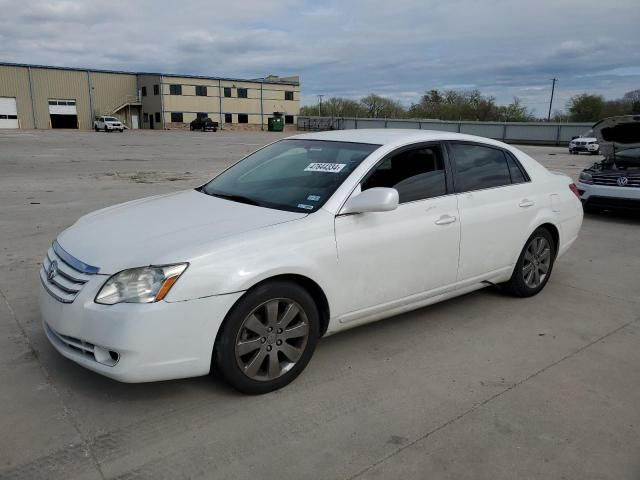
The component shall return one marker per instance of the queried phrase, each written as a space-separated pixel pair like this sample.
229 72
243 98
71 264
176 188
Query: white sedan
306 237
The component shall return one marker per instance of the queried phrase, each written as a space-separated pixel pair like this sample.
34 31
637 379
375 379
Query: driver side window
416 174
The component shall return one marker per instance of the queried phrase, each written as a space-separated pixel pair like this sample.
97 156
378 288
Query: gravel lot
480 387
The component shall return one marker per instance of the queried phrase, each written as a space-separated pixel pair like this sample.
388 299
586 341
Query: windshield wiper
235 198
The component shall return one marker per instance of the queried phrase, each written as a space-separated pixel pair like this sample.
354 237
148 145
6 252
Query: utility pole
320 105
553 87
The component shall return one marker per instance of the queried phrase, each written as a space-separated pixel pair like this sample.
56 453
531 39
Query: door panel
388 256
493 224
495 213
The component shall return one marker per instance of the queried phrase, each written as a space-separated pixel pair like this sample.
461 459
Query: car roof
391 136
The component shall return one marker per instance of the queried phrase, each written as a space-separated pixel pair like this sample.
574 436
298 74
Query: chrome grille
63 275
633 180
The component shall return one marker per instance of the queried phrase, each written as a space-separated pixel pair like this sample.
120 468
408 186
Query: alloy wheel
272 339
537 262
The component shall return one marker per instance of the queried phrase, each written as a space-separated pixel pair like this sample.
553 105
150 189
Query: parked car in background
614 183
205 124
586 142
108 124
306 237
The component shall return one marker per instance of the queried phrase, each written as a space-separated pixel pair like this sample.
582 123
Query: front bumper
113 127
135 342
584 148
613 197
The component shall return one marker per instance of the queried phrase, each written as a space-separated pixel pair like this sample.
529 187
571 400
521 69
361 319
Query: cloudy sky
347 48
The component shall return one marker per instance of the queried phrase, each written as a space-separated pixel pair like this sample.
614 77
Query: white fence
543 133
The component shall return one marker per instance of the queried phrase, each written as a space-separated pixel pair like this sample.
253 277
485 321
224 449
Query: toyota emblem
622 181
52 271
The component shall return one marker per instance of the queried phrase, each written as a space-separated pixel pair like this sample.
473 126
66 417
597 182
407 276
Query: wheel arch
310 285
555 234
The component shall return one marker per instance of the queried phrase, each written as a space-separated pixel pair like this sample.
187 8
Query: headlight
140 285
586 177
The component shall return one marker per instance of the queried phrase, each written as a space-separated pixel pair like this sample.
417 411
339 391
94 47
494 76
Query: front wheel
96 127
267 338
533 269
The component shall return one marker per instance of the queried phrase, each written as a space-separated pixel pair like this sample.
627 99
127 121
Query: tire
245 348
96 127
121 130
529 276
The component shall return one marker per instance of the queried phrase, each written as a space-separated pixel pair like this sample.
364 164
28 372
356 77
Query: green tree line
465 105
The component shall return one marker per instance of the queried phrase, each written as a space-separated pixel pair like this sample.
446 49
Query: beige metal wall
110 90
49 84
14 82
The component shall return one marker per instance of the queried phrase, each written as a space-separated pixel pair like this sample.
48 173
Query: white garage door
8 113
62 107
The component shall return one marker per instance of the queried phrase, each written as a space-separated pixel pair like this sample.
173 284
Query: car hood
164 229
618 133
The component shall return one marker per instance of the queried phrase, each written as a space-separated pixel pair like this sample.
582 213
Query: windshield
293 175
111 119
587 134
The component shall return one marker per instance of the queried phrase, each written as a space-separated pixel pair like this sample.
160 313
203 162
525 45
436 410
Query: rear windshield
293 175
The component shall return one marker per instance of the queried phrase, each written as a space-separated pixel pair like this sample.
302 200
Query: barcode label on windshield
325 167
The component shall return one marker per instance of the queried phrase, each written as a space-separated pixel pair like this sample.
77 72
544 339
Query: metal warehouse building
35 96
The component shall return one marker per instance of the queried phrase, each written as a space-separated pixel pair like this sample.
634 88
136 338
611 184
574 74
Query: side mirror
373 200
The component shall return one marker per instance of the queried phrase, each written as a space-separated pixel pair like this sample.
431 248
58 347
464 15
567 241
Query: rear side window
479 167
416 174
517 173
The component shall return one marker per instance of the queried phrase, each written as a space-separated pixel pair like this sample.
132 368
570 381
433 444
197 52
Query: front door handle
526 203
445 220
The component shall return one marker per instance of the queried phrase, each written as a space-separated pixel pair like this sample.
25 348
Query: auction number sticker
325 167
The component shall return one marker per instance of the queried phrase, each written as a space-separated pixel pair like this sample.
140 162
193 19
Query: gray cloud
399 49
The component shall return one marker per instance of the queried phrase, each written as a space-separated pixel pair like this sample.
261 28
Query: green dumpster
275 124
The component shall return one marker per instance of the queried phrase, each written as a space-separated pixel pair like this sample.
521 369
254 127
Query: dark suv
205 124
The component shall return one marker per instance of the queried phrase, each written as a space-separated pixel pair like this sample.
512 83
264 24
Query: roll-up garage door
63 113
8 113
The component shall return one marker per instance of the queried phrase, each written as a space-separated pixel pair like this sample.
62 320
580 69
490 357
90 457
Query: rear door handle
526 203
445 220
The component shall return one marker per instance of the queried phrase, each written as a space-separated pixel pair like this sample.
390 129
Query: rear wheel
533 269
96 127
267 338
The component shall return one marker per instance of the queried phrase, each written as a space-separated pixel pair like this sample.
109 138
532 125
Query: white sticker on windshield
325 167
306 207
313 198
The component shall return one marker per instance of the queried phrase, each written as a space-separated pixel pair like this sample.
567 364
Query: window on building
228 118
288 119
243 118
201 91
176 117
157 115
156 89
242 93
144 91
227 92
145 117
416 174
175 89
202 115
288 95
479 167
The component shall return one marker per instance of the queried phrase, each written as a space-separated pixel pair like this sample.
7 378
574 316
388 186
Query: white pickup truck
108 124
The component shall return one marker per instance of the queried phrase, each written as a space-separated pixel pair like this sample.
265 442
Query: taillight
574 189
